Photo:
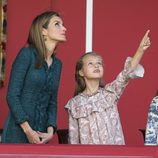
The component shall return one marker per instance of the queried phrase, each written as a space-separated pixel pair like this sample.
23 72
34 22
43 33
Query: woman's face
92 67
56 31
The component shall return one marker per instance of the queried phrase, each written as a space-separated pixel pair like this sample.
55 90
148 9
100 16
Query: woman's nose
64 28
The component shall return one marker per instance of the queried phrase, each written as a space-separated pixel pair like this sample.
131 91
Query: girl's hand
145 43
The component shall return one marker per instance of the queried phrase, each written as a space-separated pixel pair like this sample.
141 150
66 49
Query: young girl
93 114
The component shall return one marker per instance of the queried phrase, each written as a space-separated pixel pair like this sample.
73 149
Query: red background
118 27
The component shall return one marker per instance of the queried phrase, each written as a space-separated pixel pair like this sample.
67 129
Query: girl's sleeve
121 81
151 133
73 130
73 125
16 82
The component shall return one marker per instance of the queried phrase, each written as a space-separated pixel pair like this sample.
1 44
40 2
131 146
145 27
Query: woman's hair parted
35 37
80 82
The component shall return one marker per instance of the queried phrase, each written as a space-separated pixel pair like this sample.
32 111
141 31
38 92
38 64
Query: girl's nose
96 65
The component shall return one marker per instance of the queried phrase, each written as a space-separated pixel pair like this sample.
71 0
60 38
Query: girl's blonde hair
80 82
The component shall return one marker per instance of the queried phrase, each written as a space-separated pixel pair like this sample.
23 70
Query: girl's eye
100 63
90 63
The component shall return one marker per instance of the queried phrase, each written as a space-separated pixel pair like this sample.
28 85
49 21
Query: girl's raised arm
143 46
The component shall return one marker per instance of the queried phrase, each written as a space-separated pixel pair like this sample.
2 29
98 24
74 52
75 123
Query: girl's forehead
92 57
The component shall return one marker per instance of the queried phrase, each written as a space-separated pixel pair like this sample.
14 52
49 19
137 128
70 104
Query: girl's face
56 31
92 67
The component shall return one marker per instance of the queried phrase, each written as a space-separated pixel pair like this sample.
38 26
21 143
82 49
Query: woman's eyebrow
58 21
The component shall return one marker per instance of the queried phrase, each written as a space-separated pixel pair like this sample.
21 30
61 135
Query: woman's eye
57 24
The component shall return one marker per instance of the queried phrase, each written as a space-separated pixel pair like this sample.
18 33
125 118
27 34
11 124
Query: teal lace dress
32 96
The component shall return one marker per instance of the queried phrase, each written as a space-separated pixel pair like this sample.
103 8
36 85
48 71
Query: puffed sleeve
151 134
17 78
121 81
73 125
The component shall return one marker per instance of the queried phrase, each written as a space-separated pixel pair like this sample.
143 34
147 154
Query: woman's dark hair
35 37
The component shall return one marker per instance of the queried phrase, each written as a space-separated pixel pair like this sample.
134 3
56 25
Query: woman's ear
81 73
44 32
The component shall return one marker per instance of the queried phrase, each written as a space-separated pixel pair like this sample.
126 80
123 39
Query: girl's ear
81 73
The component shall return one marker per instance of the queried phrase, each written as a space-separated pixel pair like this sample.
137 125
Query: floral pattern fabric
151 135
94 119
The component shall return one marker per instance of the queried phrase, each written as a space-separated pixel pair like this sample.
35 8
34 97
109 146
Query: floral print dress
151 134
94 119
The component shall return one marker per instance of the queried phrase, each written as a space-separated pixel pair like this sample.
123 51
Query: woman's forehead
56 19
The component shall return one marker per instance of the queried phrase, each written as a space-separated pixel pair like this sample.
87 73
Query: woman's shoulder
24 55
26 52
57 60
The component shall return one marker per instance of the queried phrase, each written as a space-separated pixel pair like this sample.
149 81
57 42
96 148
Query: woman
34 82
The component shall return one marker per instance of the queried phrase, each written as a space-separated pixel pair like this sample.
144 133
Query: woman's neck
49 61
50 48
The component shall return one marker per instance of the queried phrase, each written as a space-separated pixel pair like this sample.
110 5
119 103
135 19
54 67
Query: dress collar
93 94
